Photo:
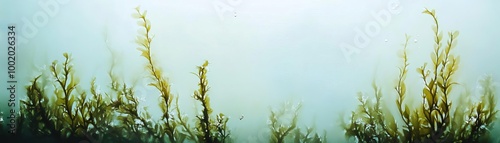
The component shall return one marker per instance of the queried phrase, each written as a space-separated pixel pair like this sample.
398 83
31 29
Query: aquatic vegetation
58 109
369 123
37 108
168 125
68 116
282 122
208 130
74 114
435 119
309 136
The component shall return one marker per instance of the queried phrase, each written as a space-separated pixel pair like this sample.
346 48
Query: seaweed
65 85
432 120
309 136
37 108
208 130
144 39
369 123
476 119
58 109
283 121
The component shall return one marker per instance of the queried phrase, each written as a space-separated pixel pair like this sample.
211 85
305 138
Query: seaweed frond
144 40
283 121
209 130
37 109
369 123
309 136
476 119
99 113
400 88
182 120
438 82
69 121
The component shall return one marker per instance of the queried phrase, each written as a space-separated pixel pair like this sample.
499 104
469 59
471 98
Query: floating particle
386 40
415 40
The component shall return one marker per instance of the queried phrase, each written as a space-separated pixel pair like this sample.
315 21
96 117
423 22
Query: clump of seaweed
207 129
431 121
283 126
69 116
75 114
369 123
282 122
37 108
309 136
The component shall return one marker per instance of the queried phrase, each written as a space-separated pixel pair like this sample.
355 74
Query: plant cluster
75 114
435 119
58 109
283 126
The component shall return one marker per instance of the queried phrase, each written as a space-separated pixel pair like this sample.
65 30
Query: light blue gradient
269 53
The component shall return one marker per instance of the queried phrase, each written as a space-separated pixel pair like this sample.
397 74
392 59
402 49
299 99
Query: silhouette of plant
431 121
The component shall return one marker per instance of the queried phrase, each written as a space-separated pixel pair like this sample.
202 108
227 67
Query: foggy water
261 53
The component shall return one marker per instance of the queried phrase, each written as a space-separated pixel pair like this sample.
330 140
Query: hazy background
261 54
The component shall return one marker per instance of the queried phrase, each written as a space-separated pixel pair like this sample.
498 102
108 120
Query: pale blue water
261 53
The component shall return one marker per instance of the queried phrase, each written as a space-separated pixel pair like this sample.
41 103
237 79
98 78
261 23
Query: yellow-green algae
435 119
75 114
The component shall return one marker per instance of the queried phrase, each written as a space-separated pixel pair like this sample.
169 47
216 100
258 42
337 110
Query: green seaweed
144 39
369 123
37 108
432 120
309 136
209 130
282 122
283 125
58 109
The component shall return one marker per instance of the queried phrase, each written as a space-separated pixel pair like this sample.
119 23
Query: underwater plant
369 123
58 109
37 108
309 136
282 122
68 116
435 119
168 125
208 130
283 126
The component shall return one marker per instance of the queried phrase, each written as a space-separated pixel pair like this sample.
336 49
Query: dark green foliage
37 108
435 119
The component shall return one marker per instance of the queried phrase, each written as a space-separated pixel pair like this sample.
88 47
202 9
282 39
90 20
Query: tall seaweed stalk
438 82
209 130
159 82
404 110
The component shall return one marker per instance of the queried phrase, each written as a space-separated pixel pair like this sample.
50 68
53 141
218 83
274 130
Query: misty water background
262 54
